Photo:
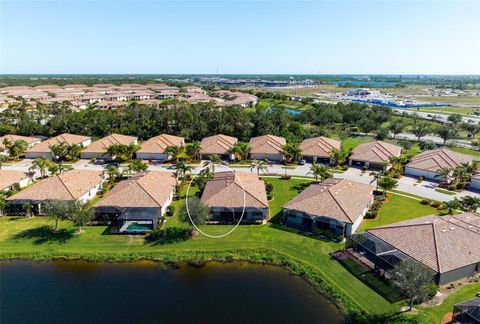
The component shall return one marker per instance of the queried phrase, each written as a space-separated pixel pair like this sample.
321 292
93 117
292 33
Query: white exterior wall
90 194
152 156
420 173
97 155
263 156
25 182
34 155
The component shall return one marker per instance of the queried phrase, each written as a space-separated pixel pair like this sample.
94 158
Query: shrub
285 177
345 167
426 202
268 187
365 168
170 210
460 186
371 214
377 192
269 195
407 144
421 178
380 198
168 235
436 204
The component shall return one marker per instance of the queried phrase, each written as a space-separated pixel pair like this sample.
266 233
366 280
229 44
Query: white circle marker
243 210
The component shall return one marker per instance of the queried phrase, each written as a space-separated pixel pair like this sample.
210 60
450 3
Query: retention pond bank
82 292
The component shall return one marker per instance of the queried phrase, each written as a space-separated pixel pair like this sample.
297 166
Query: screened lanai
467 312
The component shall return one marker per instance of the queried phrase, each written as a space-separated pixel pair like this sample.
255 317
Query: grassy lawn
473 153
395 209
33 238
445 191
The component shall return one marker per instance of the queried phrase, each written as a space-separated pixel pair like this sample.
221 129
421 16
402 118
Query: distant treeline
192 121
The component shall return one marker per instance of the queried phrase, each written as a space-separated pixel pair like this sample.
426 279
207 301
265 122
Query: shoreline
268 257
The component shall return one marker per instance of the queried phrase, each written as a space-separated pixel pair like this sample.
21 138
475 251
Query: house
31 141
318 149
217 145
428 163
228 193
73 185
135 205
98 149
448 245
14 180
337 205
154 148
467 311
374 155
267 147
43 149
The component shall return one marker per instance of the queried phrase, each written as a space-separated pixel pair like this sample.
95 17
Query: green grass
33 238
445 191
435 314
396 209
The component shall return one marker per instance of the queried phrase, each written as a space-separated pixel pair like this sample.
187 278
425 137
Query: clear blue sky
382 37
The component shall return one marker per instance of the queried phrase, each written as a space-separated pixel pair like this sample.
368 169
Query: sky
239 37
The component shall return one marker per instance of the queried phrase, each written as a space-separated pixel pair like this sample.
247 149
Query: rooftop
319 146
70 139
102 144
269 144
217 144
434 160
159 143
376 152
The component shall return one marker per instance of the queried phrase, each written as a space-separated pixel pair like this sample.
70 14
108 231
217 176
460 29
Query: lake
81 292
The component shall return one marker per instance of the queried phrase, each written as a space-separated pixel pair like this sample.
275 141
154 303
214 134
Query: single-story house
31 141
154 148
428 163
448 245
338 205
318 149
374 154
219 145
73 185
227 194
135 205
267 147
467 311
14 180
98 149
43 149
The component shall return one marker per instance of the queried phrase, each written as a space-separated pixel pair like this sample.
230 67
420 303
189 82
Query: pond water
79 292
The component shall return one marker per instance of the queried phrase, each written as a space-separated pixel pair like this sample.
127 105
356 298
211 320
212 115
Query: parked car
302 162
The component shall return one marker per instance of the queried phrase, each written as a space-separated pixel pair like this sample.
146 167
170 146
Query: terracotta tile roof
159 143
339 199
375 152
10 177
217 144
146 189
70 139
443 243
13 138
225 190
434 160
319 146
102 144
267 144
69 185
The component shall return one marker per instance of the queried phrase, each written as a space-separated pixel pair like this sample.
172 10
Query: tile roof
13 138
146 189
70 139
434 160
69 185
443 243
159 143
339 199
319 146
217 144
102 144
10 177
225 190
375 152
267 144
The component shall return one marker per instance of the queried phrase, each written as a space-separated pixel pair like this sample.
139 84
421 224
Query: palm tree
27 208
320 171
240 150
3 203
470 204
3 159
59 151
397 162
460 173
376 176
260 166
451 206
182 169
386 183
173 152
42 164
17 148
444 174
73 151
338 157
292 152
112 172
116 151
193 150
53 169
137 166
130 150
213 160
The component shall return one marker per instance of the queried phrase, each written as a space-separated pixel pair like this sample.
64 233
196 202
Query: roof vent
452 228
444 230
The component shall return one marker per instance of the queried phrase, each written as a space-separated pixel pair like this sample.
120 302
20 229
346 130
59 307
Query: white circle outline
244 202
